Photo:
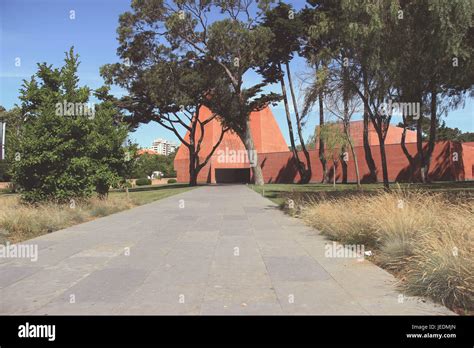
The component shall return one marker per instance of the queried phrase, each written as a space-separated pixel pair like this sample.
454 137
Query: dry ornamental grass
426 239
20 222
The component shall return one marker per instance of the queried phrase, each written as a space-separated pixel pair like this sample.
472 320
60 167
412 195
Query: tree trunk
194 149
356 164
307 171
247 139
419 147
410 158
299 165
192 167
386 184
345 122
193 178
334 174
322 157
431 141
368 151
354 155
343 164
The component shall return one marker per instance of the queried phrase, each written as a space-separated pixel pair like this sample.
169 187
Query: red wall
393 136
278 167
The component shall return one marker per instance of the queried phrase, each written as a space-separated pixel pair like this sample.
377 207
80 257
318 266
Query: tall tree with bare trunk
286 27
184 29
171 92
342 103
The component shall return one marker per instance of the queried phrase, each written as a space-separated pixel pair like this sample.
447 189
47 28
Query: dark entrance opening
233 175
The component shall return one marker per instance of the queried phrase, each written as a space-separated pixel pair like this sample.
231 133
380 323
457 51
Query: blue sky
41 31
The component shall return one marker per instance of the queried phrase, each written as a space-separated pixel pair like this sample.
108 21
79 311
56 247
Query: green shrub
4 171
143 182
172 181
63 153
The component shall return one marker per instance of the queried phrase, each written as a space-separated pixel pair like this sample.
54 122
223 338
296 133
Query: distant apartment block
163 147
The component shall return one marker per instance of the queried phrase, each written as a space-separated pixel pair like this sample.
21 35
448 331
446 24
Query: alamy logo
237 156
344 250
75 109
400 109
20 251
37 331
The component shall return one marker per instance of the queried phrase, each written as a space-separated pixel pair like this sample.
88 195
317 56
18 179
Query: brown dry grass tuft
20 221
424 238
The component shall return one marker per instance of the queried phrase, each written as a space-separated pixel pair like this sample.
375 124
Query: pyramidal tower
230 162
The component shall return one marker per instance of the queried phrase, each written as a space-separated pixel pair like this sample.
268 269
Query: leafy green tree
166 84
443 133
440 78
353 34
66 148
318 41
342 102
106 138
465 137
4 171
286 27
169 171
379 43
146 164
335 140
315 93
14 121
131 157
236 45
172 47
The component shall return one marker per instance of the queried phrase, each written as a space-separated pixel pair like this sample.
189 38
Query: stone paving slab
228 251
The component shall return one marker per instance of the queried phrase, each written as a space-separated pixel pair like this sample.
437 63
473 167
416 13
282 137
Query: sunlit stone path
211 250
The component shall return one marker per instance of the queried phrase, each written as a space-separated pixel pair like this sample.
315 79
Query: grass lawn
277 192
19 222
147 194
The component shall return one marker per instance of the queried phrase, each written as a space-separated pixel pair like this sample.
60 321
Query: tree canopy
66 148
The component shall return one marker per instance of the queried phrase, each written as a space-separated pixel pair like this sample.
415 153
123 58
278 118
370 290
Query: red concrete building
394 135
229 162
450 160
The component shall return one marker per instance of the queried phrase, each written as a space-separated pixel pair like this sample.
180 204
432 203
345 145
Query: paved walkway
212 250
